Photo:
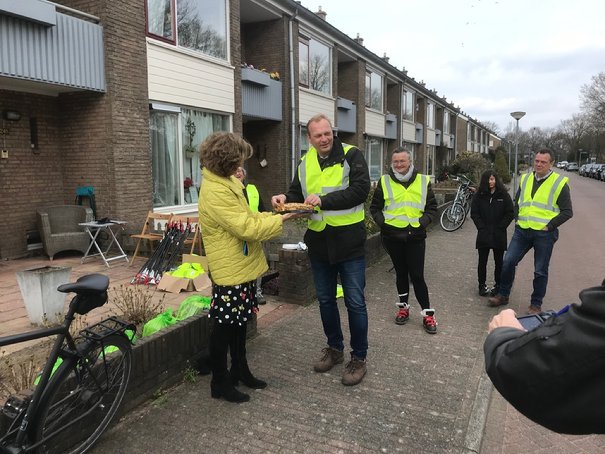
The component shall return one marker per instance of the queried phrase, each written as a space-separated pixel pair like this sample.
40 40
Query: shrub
371 226
501 167
469 164
136 304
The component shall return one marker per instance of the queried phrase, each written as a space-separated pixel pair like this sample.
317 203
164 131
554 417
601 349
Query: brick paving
422 393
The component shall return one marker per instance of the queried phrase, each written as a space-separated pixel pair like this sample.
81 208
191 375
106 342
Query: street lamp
517 116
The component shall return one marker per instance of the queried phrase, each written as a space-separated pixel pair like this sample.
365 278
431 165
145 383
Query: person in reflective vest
403 205
255 202
542 203
334 178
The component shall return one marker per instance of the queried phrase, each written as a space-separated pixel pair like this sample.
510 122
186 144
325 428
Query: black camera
532 321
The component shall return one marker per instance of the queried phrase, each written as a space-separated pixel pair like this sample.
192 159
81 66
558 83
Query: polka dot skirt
233 303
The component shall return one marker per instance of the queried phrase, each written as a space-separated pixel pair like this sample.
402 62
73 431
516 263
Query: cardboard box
200 284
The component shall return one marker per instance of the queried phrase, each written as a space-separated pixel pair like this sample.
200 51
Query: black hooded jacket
492 213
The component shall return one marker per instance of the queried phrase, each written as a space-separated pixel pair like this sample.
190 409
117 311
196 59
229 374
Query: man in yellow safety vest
334 178
543 203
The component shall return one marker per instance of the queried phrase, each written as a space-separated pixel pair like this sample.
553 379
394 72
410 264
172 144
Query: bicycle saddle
91 283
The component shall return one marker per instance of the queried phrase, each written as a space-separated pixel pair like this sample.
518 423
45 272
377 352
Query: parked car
599 171
561 164
572 167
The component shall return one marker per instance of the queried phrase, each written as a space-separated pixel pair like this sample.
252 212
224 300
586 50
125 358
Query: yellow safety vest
537 211
314 180
253 197
404 206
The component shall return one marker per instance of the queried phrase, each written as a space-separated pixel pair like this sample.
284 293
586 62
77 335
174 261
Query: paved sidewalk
418 396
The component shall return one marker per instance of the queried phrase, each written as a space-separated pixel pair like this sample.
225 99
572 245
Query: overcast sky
489 57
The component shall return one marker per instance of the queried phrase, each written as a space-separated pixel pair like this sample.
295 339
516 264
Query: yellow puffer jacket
232 232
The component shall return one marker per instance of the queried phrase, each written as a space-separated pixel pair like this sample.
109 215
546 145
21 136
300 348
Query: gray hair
403 150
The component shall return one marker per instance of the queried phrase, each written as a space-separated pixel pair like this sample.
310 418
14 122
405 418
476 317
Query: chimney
385 58
321 14
358 40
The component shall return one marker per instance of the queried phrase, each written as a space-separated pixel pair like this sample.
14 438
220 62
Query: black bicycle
81 386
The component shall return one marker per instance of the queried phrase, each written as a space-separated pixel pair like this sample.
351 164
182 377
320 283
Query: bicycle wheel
452 217
83 396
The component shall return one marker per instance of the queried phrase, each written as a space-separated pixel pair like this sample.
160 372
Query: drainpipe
292 97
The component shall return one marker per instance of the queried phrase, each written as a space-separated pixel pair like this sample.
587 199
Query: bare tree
492 126
319 77
575 130
593 100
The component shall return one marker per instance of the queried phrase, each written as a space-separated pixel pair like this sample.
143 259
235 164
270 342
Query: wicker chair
59 229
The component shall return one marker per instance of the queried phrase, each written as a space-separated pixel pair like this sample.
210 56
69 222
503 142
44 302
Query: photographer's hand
506 318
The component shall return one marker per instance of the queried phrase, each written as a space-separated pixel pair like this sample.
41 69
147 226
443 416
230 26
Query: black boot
239 364
221 384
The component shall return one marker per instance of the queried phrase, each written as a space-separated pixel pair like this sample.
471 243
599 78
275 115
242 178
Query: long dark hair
484 183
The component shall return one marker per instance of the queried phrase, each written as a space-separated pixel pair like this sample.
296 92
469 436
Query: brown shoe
531 310
497 300
330 357
355 370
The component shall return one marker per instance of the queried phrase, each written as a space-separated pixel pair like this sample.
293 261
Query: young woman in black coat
491 211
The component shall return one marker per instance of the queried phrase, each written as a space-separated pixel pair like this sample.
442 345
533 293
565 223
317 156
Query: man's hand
314 200
506 318
278 199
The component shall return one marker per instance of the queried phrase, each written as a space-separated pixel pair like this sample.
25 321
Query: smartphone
530 322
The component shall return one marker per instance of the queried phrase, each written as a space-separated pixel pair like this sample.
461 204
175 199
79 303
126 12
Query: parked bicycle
81 386
454 215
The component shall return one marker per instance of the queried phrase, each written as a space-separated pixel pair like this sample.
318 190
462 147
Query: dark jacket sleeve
261 205
359 185
430 209
509 211
377 205
566 213
476 212
554 373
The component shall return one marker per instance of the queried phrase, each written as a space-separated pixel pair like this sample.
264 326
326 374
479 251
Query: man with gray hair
403 206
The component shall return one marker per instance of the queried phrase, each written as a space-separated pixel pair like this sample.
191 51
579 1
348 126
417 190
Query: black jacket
337 244
408 233
492 213
555 374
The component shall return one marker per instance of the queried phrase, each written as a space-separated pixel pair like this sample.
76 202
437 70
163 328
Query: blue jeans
522 241
353 281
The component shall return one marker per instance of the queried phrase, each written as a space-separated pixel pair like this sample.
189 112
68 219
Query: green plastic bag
163 320
193 305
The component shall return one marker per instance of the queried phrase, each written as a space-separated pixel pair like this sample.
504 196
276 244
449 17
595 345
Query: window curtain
163 134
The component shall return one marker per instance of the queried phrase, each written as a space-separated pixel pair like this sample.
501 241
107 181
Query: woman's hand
506 318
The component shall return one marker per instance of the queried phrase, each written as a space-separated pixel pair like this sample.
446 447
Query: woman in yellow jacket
232 239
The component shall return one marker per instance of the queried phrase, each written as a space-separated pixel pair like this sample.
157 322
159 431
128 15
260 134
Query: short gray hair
403 150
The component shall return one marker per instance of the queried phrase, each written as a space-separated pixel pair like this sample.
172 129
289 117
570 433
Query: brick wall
351 85
266 46
85 138
29 178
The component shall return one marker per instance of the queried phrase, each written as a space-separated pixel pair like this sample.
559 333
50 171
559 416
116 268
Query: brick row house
119 95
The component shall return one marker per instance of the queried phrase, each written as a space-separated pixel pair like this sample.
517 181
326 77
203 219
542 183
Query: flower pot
39 290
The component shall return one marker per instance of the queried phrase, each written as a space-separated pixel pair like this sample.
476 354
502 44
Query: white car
572 167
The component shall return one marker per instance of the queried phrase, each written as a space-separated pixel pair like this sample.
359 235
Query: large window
446 122
408 106
201 25
304 142
430 115
314 65
374 157
175 138
374 90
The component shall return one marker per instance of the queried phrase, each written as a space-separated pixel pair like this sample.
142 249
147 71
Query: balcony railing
346 115
261 95
67 51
